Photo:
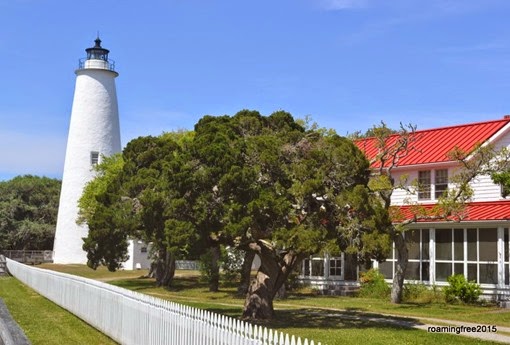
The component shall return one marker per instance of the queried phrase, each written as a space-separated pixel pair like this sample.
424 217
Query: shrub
461 290
420 293
205 267
373 285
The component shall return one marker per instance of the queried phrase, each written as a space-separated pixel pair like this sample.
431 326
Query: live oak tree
285 193
263 185
140 194
28 212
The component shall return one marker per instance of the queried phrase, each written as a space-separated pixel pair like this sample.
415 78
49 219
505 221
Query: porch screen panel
413 271
488 251
488 273
472 241
472 272
443 271
413 240
425 271
386 269
458 246
443 244
425 245
488 241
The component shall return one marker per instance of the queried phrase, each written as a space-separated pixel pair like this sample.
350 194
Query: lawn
331 320
43 321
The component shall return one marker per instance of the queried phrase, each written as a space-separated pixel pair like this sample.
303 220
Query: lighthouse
93 132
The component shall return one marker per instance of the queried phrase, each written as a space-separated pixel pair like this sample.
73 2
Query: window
428 188
418 266
94 158
313 267
480 247
335 267
441 182
424 185
143 250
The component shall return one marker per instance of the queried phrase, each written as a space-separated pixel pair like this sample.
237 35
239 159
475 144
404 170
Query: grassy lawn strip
330 320
43 321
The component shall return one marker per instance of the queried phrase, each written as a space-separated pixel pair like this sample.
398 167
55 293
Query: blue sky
347 63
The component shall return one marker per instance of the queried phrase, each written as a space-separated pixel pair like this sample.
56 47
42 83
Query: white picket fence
129 317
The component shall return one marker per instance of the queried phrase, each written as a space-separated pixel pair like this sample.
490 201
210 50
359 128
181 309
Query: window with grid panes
441 182
424 185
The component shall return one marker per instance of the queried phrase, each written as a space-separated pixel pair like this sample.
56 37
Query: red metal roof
474 211
433 145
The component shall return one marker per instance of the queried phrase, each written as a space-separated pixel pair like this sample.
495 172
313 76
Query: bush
205 267
420 293
461 290
373 285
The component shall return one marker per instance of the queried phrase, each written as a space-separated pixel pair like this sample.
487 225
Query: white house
477 246
139 255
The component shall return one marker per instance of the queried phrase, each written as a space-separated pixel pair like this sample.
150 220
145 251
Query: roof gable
433 145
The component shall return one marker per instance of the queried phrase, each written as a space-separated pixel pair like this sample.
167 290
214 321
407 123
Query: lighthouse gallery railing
133 318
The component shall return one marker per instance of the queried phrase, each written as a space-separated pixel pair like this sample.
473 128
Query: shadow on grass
135 284
315 318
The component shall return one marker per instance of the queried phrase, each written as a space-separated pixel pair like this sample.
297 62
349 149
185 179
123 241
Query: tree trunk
163 268
249 255
400 268
272 274
214 278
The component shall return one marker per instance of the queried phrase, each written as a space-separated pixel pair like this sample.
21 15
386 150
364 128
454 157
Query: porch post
432 256
501 257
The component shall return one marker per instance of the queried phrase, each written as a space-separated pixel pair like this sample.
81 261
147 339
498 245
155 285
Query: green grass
100 274
43 321
330 320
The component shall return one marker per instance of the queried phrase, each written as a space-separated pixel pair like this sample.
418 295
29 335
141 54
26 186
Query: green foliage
139 195
422 294
205 267
461 290
242 181
373 284
503 179
28 212
106 173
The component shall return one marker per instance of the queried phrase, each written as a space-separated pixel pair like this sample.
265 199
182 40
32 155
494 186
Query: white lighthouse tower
93 132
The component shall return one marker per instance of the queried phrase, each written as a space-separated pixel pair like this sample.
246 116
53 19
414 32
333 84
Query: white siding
483 187
401 196
138 259
485 190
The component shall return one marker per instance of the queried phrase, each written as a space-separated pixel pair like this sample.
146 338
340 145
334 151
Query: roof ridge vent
506 117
